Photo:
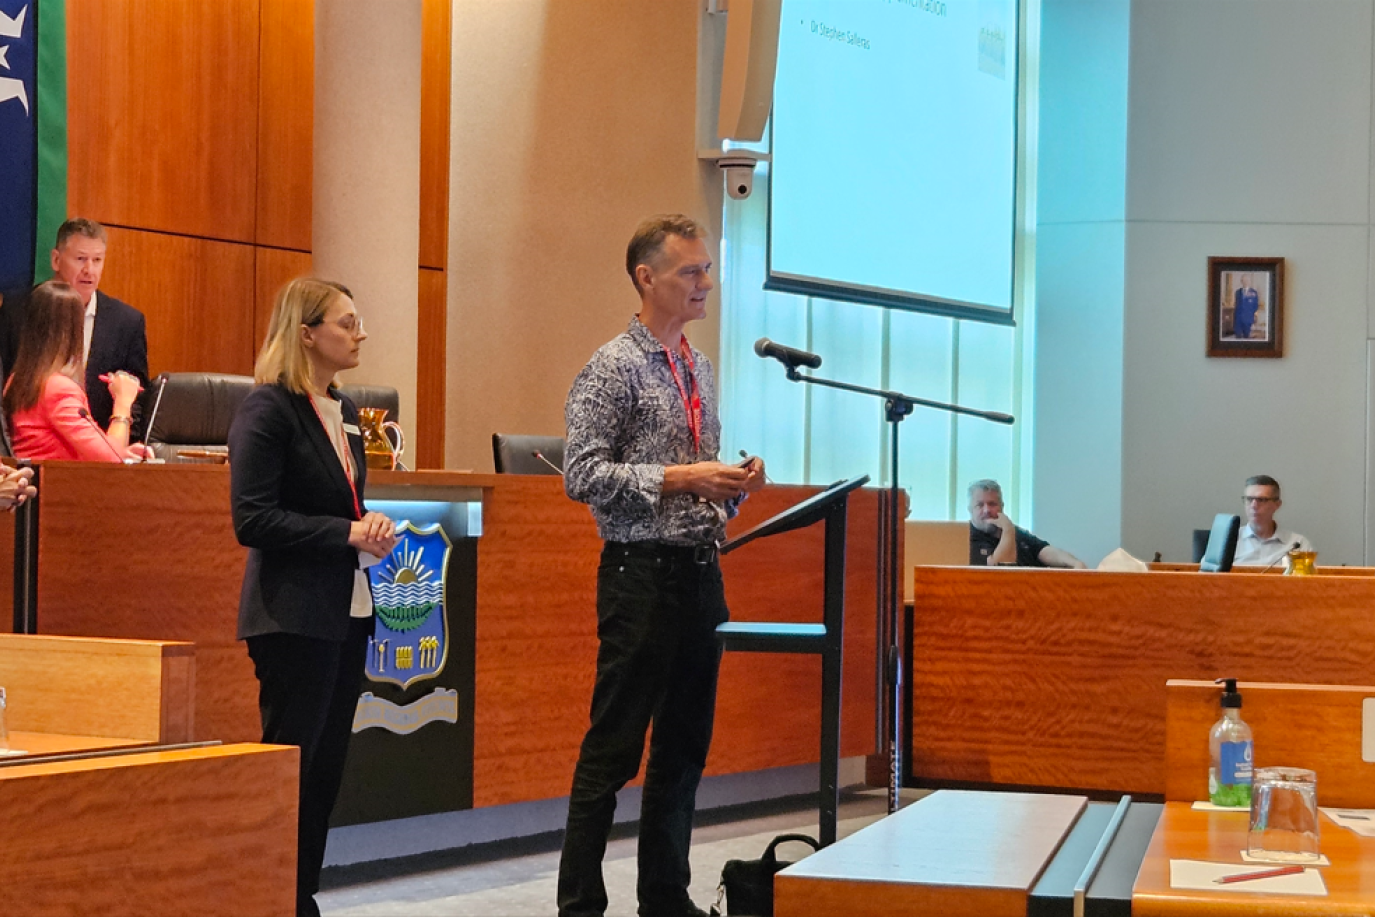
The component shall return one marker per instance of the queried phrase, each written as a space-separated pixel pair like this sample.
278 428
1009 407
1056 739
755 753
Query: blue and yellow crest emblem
410 639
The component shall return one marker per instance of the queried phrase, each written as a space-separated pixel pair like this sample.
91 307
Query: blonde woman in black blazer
297 475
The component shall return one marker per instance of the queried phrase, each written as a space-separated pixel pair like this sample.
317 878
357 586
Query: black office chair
1222 544
374 396
194 412
527 454
1200 545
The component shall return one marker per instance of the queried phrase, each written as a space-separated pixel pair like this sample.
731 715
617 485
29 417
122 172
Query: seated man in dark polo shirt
994 540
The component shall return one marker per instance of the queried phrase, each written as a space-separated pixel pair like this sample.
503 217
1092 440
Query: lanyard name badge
692 401
346 460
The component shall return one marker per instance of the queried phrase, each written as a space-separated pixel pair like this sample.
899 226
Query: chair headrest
513 454
374 396
196 408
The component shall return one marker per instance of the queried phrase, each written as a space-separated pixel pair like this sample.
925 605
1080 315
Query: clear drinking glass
4 731
1284 815
1303 563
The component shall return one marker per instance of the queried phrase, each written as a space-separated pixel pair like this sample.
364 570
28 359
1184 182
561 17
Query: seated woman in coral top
45 397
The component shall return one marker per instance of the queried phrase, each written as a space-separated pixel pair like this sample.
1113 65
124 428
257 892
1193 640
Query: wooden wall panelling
196 831
430 382
536 639
226 688
436 51
197 295
536 621
1067 668
99 687
7 523
272 268
285 123
162 100
537 643
1312 726
183 585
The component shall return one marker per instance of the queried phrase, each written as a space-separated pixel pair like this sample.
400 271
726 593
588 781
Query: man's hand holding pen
715 481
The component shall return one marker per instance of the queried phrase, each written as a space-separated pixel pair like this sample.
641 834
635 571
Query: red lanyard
692 404
346 459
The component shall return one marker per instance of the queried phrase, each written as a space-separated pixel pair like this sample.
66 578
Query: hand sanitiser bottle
1229 778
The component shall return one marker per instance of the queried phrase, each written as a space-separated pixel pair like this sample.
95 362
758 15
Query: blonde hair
283 359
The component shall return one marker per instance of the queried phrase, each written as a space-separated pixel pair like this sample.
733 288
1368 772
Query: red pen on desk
1263 874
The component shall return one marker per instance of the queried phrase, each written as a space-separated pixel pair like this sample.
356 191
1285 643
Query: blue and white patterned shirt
626 421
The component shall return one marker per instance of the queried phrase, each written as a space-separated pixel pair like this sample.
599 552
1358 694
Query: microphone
788 356
1293 547
86 416
148 431
540 455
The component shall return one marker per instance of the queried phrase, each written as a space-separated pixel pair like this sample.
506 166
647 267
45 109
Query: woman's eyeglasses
351 324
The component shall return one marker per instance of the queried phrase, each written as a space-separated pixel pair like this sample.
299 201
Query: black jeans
307 695
657 612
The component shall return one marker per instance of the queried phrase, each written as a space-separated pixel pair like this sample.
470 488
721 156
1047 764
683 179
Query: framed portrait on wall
1245 307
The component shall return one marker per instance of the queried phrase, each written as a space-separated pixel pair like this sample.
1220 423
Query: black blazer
292 508
119 340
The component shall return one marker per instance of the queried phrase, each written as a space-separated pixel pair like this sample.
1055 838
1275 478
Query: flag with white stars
22 136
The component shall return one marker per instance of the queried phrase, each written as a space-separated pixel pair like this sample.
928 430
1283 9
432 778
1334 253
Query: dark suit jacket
292 508
119 340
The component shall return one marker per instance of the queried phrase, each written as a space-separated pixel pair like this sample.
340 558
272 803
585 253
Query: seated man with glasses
1262 542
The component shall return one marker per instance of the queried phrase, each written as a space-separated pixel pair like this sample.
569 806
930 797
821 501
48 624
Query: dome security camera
739 171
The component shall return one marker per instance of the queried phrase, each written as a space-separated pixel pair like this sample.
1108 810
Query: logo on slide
11 87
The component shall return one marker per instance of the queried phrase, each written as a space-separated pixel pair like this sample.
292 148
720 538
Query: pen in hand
749 458
1262 874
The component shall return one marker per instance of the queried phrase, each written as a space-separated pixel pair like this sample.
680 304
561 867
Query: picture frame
1242 289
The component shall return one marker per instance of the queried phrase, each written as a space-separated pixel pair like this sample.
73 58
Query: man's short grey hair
1263 480
80 226
648 242
987 484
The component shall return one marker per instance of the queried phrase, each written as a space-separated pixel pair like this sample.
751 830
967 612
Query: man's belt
700 554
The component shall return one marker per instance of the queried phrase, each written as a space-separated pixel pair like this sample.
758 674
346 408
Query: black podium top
800 516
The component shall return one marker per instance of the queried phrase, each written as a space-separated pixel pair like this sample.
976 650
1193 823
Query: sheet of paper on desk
1362 821
1199 875
6 752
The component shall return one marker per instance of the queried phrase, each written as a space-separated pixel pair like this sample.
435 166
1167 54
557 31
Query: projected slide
894 153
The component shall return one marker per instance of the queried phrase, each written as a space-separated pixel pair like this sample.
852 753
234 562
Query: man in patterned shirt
643 439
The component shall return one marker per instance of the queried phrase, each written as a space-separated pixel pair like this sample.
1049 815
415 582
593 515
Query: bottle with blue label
1229 778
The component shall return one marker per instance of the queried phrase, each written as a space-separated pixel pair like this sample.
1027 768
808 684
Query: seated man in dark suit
994 540
116 334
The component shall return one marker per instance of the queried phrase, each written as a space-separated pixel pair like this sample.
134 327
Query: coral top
54 428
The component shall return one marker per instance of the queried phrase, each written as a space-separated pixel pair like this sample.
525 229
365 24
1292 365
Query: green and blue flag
33 136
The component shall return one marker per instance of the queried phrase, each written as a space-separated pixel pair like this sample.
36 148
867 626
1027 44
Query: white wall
1249 134
570 123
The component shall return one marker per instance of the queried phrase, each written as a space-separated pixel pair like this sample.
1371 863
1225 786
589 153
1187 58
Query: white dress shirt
333 415
1254 551
88 326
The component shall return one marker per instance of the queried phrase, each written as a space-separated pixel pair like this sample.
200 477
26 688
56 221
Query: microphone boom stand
897 407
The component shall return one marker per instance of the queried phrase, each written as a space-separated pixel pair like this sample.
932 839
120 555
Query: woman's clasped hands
374 533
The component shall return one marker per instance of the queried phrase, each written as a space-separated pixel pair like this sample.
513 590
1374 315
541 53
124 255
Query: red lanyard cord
347 460
692 403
